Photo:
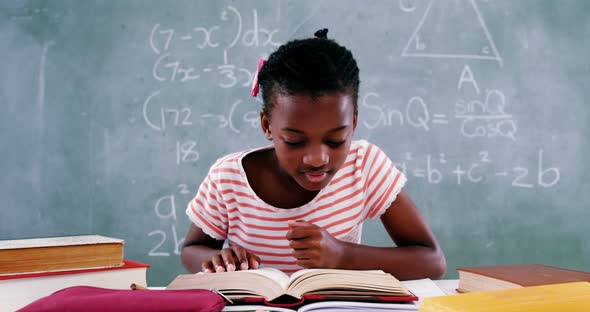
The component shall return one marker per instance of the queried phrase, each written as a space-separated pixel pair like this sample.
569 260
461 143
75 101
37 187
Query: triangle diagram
452 29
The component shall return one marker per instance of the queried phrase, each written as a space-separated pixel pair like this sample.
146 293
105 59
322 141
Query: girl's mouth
316 177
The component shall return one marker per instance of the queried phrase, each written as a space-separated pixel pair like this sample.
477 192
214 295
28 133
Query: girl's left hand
314 247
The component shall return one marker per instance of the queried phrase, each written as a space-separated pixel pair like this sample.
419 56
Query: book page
255 308
346 282
424 288
58 241
276 275
304 273
267 283
299 273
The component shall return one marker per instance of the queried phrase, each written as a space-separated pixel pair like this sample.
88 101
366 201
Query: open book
330 306
313 284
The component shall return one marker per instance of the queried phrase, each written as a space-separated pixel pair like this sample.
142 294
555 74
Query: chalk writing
162 38
41 86
434 170
165 210
186 152
232 75
467 77
486 118
416 113
166 68
251 118
166 116
256 36
417 47
477 118
167 42
156 251
165 202
407 6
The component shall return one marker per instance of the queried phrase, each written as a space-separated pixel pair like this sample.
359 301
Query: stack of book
34 268
519 287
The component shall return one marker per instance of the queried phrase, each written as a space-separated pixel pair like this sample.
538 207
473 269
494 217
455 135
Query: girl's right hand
231 259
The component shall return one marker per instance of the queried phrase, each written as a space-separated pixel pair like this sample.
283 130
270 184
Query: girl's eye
293 143
334 143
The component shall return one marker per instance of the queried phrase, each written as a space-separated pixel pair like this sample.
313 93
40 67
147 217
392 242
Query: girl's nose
316 157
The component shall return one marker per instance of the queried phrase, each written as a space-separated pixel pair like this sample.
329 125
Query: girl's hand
314 247
231 259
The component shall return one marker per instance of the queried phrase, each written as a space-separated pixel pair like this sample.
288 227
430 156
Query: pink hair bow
255 85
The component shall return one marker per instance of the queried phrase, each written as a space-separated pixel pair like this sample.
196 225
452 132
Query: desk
424 288
449 287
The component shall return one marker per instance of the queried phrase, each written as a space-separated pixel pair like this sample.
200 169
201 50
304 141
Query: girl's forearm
407 262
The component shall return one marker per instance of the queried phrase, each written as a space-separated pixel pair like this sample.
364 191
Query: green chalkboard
111 113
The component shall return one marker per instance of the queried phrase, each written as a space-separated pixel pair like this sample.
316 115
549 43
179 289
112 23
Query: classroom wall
113 111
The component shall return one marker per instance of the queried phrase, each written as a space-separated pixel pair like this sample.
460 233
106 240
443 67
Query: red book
18 290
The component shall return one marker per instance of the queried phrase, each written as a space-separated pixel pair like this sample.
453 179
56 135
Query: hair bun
321 34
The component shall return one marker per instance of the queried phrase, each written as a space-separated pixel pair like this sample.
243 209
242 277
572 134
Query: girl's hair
313 66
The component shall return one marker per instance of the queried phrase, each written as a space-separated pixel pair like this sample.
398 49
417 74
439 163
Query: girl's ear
265 125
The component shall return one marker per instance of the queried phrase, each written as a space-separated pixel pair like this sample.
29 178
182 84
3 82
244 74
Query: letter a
467 76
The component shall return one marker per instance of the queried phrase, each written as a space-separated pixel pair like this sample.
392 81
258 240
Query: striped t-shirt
226 207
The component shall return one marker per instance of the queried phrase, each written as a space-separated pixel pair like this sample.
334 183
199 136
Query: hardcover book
60 253
482 278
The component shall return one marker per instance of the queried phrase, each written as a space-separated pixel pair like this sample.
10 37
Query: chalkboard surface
113 111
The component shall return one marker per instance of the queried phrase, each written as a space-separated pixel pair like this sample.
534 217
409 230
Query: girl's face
311 136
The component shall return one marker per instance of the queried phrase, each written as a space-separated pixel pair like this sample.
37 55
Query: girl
301 202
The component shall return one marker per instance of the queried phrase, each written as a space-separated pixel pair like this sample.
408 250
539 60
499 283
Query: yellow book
557 297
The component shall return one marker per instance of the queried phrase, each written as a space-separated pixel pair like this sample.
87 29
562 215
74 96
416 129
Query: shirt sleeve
207 210
382 181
